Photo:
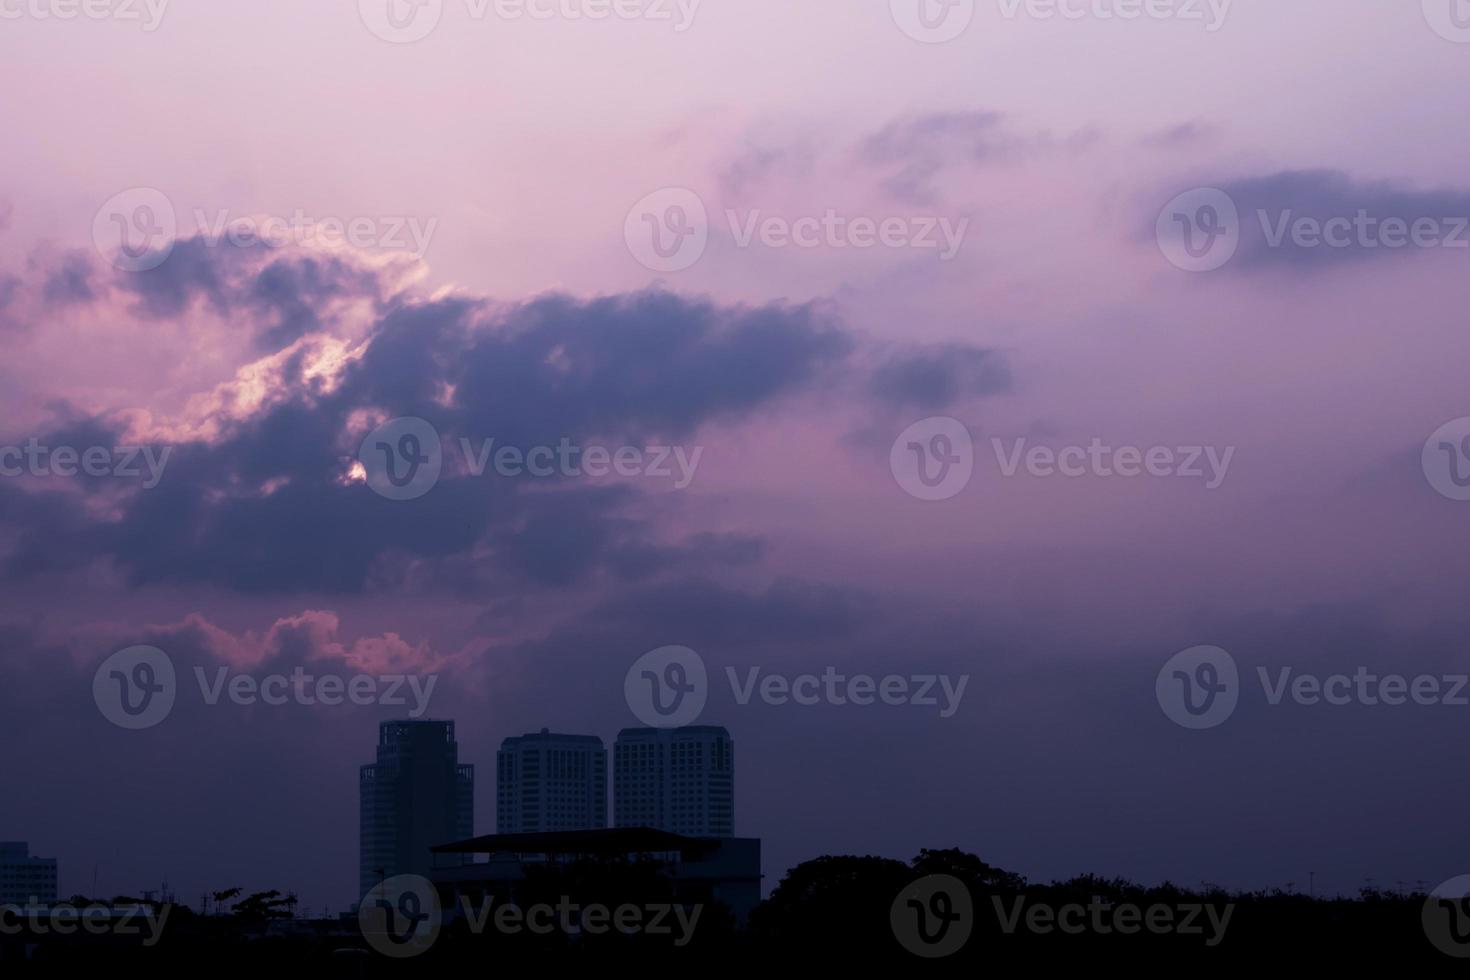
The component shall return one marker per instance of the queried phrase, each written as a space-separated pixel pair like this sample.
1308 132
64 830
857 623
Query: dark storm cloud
266 505
292 290
280 295
1275 207
70 280
928 379
192 269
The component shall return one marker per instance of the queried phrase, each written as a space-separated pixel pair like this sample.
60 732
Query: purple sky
518 150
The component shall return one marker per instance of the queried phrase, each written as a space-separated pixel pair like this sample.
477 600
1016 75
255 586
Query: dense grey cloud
932 378
1285 216
70 280
267 505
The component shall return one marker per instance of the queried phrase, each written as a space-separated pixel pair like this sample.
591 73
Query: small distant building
702 870
25 880
679 780
548 782
414 796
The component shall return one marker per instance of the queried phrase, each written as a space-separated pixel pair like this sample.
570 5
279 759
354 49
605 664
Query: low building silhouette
700 871
24 879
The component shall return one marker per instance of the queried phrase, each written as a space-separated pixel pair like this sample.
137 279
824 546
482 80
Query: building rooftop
604 842
547 735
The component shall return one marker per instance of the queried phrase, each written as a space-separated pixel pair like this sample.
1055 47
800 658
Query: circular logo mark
934 458
932 21
1446 917
1199 231
401 916
1446 459
135 688
933 917
667 687
136 229
401 21
668 230
1199 687
403 458
1449 18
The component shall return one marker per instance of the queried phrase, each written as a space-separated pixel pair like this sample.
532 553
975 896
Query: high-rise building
414 797
677 779
24 879
548 782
